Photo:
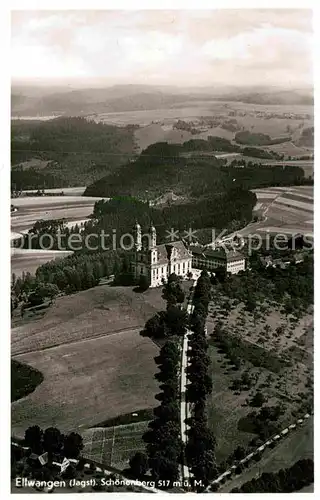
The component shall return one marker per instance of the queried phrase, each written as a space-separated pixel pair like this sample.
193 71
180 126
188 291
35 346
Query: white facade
209 259
157 262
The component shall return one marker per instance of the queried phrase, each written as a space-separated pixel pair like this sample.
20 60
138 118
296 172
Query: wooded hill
78 151
162 167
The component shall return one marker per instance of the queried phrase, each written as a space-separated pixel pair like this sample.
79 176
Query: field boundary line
112 444
117 332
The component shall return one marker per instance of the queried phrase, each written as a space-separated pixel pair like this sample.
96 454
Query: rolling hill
28 102
74 151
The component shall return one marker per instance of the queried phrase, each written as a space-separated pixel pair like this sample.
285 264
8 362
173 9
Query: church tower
153 236
137 237
153 244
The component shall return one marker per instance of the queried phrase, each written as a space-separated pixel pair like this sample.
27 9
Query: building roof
165 252
218 253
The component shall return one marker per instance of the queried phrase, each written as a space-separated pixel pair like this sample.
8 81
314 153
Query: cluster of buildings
269 261
157 262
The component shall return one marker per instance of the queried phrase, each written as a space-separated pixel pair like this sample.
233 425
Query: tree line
53 442
288 480
200 449
68 275
163 439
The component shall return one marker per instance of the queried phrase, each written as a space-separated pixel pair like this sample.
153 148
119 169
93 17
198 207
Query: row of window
215 263
181 268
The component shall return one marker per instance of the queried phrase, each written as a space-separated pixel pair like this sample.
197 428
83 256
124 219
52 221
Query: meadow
156 125
32 209
94 362
68 191
29 260
286 210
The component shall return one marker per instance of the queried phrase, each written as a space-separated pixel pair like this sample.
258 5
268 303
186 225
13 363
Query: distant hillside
77 151
272 97
90 101
30 102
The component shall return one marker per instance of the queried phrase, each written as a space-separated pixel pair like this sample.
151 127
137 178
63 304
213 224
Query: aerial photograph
162 251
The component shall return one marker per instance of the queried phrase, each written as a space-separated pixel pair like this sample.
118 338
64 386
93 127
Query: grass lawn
92 313
298 445
88 381
94 362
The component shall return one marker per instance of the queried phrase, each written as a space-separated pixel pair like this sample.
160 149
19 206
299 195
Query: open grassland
32 209
68 191
87 381
156 125
114 446
157 132
30 260
289 149
40 202
296 446
283 210
92 313
94 362
35 163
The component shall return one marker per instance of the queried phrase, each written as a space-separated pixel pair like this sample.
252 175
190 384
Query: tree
35 299
45 290
172 292
52 440
33 438
239 453
220 274
164 468
154 327
176 320
257 400
139 464
72 445
143 282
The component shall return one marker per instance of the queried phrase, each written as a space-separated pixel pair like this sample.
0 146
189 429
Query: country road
184 406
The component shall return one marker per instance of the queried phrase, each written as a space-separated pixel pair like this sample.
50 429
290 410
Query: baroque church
157 262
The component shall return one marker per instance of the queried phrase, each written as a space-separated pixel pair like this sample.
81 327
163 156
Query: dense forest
164 167
78 151
229 210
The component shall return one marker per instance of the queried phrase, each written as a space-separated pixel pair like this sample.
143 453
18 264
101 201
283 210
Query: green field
94 362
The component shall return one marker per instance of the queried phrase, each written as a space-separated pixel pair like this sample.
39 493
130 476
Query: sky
177 47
